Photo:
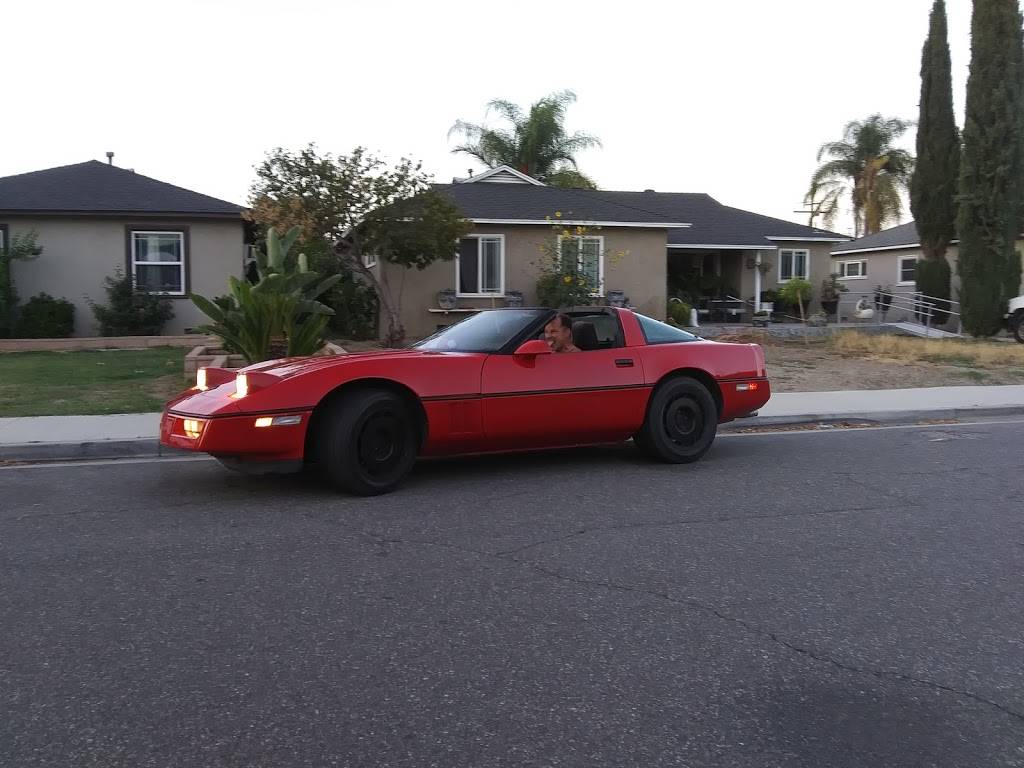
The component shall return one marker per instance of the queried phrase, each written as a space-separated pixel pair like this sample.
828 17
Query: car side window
595 332
656 332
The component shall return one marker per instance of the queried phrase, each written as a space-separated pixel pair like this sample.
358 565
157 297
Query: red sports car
489 383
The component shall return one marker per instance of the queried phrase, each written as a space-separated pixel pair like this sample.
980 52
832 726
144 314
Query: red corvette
487 384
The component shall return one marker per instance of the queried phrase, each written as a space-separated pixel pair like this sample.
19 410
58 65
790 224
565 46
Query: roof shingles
710 222
97 188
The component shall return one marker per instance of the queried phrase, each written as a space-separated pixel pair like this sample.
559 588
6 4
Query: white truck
1015 318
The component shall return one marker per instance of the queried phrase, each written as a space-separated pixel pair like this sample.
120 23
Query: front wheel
681 422
1018 327
367 442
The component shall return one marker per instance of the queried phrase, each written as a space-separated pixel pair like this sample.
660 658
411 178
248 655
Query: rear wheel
366 443
681 422
1018 327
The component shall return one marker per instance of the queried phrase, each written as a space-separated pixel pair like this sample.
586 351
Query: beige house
888 259
646 245
92 218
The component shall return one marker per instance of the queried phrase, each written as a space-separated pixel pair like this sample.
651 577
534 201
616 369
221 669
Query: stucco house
633 241
93 217
889 259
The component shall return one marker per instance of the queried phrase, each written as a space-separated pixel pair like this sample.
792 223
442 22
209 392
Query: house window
369 260
3 236
480 266
794 263
158 261
908 270
853 270
588 252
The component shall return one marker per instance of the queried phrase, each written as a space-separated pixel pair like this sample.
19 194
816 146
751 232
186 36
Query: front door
563 399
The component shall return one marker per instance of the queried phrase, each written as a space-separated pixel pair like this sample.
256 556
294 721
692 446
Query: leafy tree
933 187
865 165
130 310
990 183
796 292
21 248
364 207
535 143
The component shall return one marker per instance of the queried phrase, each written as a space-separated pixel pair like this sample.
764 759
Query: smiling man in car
558 334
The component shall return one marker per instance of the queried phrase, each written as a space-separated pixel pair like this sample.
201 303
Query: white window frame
899 270
3 241
180 264
579 260
807 263
862 268
369 260
480 294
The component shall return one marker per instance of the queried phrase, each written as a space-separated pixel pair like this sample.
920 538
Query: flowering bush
570 266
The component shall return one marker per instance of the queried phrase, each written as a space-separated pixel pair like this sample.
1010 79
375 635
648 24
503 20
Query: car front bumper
236 436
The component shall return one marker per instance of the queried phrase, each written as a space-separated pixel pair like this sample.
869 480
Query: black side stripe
527 393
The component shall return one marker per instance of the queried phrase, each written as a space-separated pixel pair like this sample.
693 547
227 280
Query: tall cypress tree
989 188
933 187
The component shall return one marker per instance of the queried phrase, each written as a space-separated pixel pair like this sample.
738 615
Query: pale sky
731 98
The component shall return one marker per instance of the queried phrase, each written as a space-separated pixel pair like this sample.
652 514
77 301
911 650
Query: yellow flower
567 279
579 230
580 281
558 214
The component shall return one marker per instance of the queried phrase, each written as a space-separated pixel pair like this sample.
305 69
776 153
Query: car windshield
486 331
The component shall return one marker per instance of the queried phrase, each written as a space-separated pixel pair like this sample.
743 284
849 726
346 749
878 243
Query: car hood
293 366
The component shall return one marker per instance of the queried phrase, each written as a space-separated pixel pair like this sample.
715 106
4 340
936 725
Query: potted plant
446 298
831 289
616 298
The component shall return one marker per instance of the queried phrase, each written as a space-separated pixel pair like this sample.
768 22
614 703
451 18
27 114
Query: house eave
733 247
585 223
797 239
879 248
41 213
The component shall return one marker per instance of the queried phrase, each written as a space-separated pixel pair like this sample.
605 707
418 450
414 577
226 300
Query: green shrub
130 311
44 317
679 312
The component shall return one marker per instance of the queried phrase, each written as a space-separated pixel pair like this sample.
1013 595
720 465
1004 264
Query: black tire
1018 327
366 442
681 422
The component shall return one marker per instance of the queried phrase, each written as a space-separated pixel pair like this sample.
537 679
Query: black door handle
623 362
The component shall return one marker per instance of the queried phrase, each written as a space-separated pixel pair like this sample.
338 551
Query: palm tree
535 144
867 166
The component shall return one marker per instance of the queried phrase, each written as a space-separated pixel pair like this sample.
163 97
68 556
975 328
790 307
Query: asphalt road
836 599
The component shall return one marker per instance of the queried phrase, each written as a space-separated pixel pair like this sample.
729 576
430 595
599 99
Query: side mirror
532 348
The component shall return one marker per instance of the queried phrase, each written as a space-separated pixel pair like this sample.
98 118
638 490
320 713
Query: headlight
193 428
241 385
201 380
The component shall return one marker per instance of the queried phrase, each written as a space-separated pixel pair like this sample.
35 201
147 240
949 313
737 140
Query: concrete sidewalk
123 435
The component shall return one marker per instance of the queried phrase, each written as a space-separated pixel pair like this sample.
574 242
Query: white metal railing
920 304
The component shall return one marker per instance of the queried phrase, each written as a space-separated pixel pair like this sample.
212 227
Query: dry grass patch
907 349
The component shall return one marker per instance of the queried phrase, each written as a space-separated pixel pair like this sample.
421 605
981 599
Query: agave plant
279 315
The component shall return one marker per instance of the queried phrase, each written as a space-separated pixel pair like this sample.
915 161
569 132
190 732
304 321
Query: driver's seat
584 336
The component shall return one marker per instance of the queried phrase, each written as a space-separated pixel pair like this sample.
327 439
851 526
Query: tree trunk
390 310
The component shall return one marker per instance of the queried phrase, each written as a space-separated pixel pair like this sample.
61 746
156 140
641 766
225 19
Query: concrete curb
150 447
875 417
97 449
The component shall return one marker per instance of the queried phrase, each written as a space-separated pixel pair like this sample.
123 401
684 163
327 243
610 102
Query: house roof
504 203
694 220
903 236
98 188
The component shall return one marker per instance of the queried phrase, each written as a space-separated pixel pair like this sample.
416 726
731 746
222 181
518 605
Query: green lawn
89 382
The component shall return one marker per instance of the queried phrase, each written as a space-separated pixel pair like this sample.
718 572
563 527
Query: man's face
557 335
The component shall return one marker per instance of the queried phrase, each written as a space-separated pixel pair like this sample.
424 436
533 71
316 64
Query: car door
562 399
